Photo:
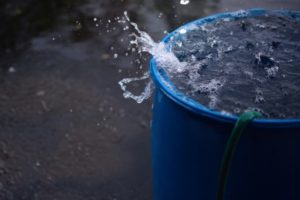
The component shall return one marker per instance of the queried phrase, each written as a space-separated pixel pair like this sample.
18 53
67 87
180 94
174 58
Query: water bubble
179 43
275 44
12 70
243 25
229 49
241 13
264 60
259 96
211 87
237 110
274 27
182 31
272 72
184 2
226 113
262 26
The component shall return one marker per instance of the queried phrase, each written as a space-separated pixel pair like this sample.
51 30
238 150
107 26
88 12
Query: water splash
143 42
138 98
189 64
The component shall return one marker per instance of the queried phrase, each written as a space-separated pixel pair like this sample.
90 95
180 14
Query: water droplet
236 110
115 56
11 70
184 2
262 26
179 43
259 96
95 19
272 72
243 25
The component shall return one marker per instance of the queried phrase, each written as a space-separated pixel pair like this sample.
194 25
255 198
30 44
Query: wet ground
66 132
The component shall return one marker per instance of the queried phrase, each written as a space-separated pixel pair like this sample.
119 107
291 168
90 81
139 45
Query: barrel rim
199 109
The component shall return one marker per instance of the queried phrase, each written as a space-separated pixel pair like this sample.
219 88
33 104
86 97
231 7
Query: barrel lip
163 83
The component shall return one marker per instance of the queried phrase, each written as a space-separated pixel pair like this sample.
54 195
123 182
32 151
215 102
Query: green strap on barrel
233 140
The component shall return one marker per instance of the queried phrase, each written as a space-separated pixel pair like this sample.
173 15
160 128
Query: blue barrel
188 142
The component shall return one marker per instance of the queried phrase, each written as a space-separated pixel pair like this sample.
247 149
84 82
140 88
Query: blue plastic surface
188 143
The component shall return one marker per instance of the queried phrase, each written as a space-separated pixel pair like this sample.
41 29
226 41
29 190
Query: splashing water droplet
142 42
138 98
11 70
184 2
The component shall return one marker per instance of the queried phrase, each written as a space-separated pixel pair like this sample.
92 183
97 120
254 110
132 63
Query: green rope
233 140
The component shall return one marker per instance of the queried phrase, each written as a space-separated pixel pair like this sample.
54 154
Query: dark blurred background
66 132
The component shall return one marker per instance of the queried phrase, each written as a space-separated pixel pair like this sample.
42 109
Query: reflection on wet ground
65 130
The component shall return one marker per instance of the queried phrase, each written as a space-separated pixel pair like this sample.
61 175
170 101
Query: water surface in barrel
235 65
